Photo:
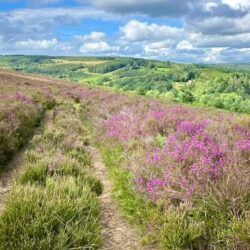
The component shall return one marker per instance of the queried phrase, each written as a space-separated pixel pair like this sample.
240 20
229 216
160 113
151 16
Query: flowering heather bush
180 172
181 155
124 126
18 116
22 103
192 155
190 158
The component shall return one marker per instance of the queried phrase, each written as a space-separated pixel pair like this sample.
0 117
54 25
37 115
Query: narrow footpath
8 174
117 233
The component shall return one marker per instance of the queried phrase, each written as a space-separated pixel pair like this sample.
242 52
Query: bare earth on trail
117 232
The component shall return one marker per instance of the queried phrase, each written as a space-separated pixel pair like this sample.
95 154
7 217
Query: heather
180 173
21 108
185 167
53 204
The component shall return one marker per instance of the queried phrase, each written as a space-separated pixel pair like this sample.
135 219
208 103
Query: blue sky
207 31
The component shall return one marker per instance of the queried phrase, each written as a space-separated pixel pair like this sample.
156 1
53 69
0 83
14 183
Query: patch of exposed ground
117 233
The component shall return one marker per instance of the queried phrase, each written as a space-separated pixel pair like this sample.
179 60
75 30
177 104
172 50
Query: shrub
18 121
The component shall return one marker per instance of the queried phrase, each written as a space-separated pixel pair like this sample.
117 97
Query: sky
200 31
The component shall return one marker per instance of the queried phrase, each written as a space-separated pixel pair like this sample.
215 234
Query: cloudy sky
208 31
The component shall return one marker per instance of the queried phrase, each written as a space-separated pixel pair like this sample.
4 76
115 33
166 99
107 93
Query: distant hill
225 86
245 67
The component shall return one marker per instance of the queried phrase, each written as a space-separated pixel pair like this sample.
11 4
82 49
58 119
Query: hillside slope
222 86
179 174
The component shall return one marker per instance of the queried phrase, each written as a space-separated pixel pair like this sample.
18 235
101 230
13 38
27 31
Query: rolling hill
224 86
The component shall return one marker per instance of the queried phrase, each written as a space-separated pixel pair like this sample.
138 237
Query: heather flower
23 98
154 185
158 115
243 145
124 126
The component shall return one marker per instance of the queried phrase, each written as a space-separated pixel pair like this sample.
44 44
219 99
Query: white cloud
184 45
151 8
41 23
213 55
216 30
95 43
220 25
159 45
37 44
97 47
142 31
209 6
164 42
92 37
66 47
78 13
232 41
157 52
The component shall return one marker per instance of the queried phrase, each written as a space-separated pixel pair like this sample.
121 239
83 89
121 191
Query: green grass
137 210
61 215
54 202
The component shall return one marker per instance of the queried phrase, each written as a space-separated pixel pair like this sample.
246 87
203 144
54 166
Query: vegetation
20 112
180 173
53 205
222 86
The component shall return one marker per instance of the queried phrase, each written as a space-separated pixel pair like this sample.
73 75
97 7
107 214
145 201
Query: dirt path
117 233
7 176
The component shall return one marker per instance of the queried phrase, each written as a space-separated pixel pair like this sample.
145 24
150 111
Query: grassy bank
53 204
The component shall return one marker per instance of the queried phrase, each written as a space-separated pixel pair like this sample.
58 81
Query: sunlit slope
222 86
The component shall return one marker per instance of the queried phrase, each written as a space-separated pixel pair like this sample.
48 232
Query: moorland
170 141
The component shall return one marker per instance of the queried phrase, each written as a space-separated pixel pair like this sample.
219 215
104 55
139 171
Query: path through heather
8 174
117 232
